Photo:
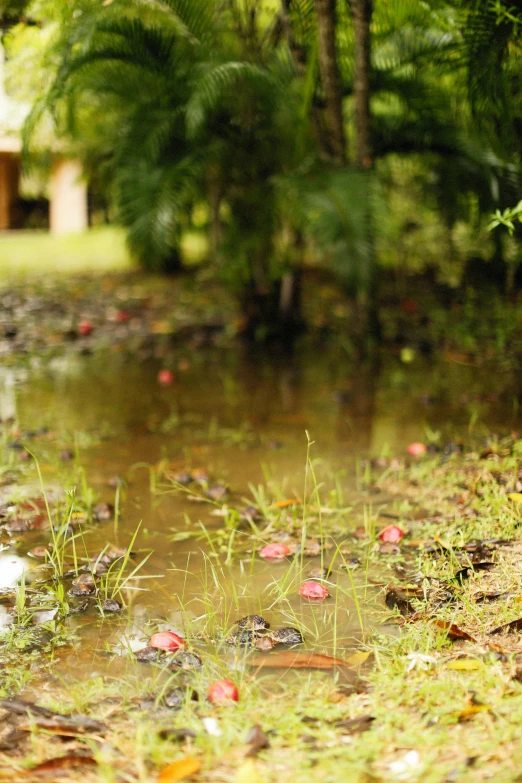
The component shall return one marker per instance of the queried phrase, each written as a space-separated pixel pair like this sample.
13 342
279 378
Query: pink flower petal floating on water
166 640
391 534
416 449
275 552
222 691
313 591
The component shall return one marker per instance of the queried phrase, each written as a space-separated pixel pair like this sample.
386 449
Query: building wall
68 197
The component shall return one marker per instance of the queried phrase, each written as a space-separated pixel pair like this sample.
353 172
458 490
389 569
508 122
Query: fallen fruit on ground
166 640
416 449
313 591
391 534
275 552
85 327
222 691
165 377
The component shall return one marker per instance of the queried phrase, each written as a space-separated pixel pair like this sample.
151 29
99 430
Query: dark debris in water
253 622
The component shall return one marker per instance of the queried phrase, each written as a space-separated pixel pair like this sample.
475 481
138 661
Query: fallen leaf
357 659
516 497
514 625
465 664
355 725
256 740
465 572
286 503
52 766
179 770
64 725
292 660
453 630
12 740
177 734
249 772
398 599
486 598
469 712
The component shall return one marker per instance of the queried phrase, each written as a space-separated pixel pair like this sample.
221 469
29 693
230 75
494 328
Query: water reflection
12 568
242 418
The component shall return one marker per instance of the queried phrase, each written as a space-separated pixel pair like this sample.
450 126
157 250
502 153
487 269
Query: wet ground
243 419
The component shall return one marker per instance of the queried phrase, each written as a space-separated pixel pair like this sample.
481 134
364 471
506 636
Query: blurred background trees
348 135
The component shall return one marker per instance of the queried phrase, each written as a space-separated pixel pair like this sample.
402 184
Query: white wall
68 198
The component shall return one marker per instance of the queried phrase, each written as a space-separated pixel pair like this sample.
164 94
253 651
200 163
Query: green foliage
507 218
174 104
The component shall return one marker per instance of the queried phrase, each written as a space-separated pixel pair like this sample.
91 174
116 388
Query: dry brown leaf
296 660
453 630
514 625
52 767
256 740
179 770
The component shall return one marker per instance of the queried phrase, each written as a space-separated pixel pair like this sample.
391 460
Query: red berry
313 591
391 534
85 327
166 640
275 552
416 449
222 691
165 377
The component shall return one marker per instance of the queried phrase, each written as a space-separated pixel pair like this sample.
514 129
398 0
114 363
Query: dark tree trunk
215 197
331 81
361 15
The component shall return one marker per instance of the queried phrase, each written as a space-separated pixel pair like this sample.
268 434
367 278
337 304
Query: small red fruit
313 591
122 316
85 327
222 691
275 552
165 377
391 534
166 640
416 449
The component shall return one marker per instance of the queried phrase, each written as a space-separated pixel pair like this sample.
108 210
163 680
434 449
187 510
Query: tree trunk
215 198
325 10
361 15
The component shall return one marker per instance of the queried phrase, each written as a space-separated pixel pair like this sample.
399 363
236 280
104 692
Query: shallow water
244 419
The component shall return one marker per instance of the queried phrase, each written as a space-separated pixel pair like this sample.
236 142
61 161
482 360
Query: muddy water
244 419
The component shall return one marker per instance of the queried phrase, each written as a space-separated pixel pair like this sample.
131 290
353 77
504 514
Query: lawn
32 253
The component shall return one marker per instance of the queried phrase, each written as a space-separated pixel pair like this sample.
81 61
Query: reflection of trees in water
356 402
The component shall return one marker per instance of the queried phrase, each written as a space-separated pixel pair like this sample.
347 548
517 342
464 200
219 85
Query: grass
98 250
442 708
37 253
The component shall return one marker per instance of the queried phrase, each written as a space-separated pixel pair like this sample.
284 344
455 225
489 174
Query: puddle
244 420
